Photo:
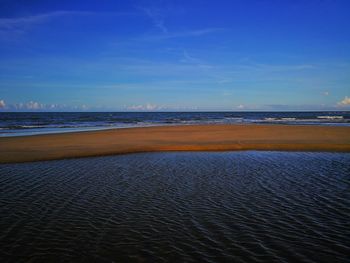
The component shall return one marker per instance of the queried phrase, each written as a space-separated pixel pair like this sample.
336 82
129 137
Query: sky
234 55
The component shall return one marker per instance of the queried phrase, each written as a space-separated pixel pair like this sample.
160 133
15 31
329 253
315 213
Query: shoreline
212 137
55 131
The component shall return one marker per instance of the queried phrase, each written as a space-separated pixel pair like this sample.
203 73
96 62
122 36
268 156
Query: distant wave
316 120
21 127
331 117
234 118
39 123
281 119
17 127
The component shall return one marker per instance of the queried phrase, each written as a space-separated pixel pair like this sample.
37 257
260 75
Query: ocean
178 207
31 123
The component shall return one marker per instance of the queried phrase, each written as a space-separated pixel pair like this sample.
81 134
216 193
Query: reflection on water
178 207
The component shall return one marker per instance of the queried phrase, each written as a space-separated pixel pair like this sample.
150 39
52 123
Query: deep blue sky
175 55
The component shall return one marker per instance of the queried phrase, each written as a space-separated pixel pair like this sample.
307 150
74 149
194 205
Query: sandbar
175 138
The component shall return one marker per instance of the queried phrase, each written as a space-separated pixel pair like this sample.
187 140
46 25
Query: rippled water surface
178 207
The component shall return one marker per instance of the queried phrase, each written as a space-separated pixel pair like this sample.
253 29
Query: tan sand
174 138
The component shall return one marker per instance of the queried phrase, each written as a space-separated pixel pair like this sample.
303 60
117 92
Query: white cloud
146 107
37 106
345 101
325 93
241 106
33 105
2 104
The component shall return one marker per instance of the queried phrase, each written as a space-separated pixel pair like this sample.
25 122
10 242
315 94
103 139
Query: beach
175 138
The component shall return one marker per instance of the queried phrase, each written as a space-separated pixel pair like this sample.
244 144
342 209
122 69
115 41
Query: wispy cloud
157 17
20 22
189 59
278 68
12 27
182 34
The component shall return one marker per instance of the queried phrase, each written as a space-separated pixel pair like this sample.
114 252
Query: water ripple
178 207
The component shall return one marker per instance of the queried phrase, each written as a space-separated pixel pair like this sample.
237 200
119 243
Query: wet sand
174 138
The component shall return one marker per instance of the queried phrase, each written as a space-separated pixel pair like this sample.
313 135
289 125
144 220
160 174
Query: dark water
178 207
21 123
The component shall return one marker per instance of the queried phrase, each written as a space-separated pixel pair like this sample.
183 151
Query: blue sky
174 55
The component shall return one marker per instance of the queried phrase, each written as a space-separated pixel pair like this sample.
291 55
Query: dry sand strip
174 138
